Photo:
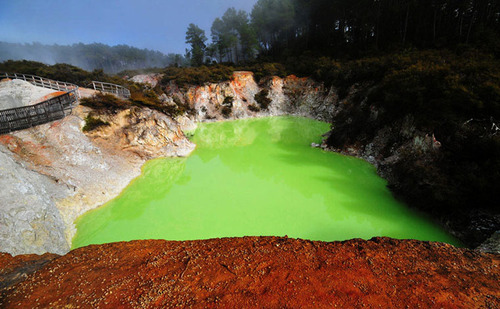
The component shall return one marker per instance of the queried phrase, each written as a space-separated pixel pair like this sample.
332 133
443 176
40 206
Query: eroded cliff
55 172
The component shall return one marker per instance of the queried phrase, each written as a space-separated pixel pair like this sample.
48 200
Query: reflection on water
256 177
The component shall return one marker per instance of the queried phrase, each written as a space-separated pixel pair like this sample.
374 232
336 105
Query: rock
257 272
143 132
29 218
150 79
492 244
290 95
18 93
53 173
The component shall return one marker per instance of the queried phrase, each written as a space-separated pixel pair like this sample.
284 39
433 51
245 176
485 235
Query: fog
111 59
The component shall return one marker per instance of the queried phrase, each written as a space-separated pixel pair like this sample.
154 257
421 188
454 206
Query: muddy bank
255 272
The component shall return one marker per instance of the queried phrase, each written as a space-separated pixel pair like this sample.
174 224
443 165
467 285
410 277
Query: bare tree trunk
434 27
470 27
406 22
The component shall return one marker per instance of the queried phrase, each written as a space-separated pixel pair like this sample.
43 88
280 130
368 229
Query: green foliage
228 101
455 97
273 21
92 123
262 99
253 108
234 40
198 75
110 59
145 97
226 111
61 72
106 102
265 69
218 73
227 106
196 38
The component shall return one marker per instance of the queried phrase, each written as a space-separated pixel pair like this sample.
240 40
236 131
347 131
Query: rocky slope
46 169
434 171
18 93
242 97
407 156
114 152
54 172
254 272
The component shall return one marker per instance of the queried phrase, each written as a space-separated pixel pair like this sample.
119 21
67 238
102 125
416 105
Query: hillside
96 56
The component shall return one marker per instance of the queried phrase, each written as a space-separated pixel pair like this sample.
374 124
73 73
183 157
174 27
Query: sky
153 24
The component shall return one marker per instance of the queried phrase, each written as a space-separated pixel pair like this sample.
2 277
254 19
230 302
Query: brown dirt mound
269 272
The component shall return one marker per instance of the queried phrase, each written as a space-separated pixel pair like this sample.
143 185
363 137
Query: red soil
257 272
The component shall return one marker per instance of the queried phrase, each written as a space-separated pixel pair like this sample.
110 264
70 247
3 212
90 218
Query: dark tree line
338 28
89 57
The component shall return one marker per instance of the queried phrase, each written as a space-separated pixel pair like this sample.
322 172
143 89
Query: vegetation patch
262 99
92 123
106 102
61 72
253 108
197 75
227 106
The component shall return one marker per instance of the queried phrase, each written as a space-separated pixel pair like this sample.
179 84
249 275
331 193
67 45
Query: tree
220 38
273 21
233 36
196 38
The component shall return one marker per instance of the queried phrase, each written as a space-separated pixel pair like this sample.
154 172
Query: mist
111 59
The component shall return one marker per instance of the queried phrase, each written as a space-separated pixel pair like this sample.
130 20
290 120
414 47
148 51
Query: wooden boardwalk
111 88
49 110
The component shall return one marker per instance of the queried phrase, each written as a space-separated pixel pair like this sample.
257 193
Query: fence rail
55 108
41 81
111 88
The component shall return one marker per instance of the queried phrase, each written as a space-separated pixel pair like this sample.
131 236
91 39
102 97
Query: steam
111 59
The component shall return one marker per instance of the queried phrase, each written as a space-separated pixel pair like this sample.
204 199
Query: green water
256 177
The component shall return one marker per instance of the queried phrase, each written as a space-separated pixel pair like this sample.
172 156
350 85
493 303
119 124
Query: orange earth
254 272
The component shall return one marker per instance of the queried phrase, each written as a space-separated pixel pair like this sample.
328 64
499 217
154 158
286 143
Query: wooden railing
111 88
49 110
41 81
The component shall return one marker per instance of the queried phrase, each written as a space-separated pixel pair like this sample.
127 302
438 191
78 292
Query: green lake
256 177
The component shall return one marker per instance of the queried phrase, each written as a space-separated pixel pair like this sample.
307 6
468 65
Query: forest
429 65
110 59
276 30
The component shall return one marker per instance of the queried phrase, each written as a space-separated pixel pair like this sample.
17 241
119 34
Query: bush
92 123
262 99
61 72
253 108
105 101
197 75
265 69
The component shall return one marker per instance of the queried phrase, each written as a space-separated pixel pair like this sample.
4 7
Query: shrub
262 99
92 123
61 71
105 101
226 111
265 69
228 101
197 75
253 108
